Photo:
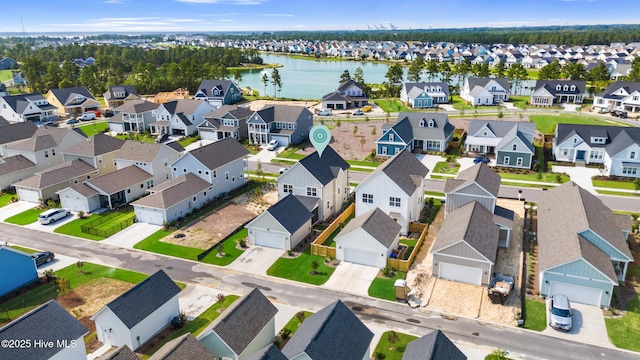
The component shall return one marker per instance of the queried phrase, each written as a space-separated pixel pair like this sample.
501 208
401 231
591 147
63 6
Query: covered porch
159 127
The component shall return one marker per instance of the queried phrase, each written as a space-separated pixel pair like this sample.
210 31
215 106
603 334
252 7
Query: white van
324 112
53 215
87 116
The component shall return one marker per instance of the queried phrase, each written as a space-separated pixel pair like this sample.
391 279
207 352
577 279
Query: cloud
227 2
134 24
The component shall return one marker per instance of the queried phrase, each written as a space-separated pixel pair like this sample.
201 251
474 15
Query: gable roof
15 163
290 213
326 167
20 103
628 86
270 352
332 333
433 346
244 320
133 150
415 89
377 224
482 82
551 86
614 143
219 153
67 95
183 348
125 89
174 191
479 173
136 107
207 85
501 128
234 111
185 106
347 84
49 321
96 145
43 138
143 299
119 180
121 353
17 131
405 170
57 174
440 131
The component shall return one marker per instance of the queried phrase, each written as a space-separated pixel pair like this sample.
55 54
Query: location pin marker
320 137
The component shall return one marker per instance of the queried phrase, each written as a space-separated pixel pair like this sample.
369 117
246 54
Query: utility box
401 289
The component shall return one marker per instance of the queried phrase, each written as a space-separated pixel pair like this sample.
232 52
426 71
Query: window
391 138
215 173
394 201
206 173
194 198
128 191
431 123
233 179
367 198
421 121
565 152
484 133
515 147
204 194
632 155
311 191
75 181
573 88
53 152
629 171
199 172
558 87
505 160
575 140
226 175
566 88
184 170
175 169
596 155
383 150
287 188
88 177
46 154
397 150
519 161
141 186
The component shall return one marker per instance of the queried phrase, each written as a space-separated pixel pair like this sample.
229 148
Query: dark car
42 257
162 137
619 113
481 159
51 124
107 113
73 121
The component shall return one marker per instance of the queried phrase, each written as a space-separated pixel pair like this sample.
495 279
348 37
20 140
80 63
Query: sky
167 16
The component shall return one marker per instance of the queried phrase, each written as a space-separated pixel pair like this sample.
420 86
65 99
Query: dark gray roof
136 107
347 84
618 138
67 95
229 111
419 87
244 320
291 213
43 138
175 145
433 346
326 167
96 145
270 352
473 82
551 86
119 180
479 173
219 153
126 89
19 103
185 106
333 96
309 202
17 131
57 174
405 170
628 86
174 191
440 130
206 86
3 121
121 353
377 224
332 333
143 299
50 322
184 347
501 128
15 163
281 113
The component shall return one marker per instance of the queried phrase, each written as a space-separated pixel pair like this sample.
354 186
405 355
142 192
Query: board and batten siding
79 352
484 265
607 248
262 339
513 159
266 221
548 277
360 240
458 199
216 345
155 322
299 235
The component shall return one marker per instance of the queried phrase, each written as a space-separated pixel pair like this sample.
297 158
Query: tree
392 337
237 75
300 316
259 171
358 76
462 70
314 266
432 68
373 131
415 70
362 142
634 73
355 129
498 70
52 78
517 73
574 71
345 76
600 72
394 76
551 71
265 81
276 81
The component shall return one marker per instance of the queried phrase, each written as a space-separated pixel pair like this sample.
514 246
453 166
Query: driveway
256 260
51 227
132 235
588 326
59 262
579 175
15 208
352 278
197 144
195 299
265 156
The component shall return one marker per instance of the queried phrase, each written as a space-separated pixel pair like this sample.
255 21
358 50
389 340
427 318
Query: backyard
94 128
546 124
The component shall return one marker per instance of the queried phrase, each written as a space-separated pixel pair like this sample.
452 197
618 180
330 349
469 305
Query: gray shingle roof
57 174
185 347
629 87
17 131
43 138
136 107
207 85
482 82
433 346
405 170
480 173
185 106
175 145
326 167
618 137
229 111
551 85
242 322
172 192
113 90
309 202
377 224
138 151
502 128
121 353
50 322
440 131
96 145
414 89
143 299
67 95
332 333
119 180
15 163
290 212
347 84
270 352
219 153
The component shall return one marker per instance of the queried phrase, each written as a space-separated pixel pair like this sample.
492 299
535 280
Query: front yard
546 124
26 217
444 167
535 314
391 105
382 287
392 345
94 128
74 227
6 197
530 175
300 268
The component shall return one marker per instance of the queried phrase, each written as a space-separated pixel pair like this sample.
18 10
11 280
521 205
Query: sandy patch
256 105
456 298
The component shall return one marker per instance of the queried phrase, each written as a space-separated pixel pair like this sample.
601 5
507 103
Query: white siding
382 188
359 240
219 182
155 322
216 345
110 330
72 353
264 338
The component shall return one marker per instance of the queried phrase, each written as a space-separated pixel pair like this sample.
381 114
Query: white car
273 144
53 215
87 116
324 112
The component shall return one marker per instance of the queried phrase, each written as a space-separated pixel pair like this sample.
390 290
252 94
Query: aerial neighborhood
481 189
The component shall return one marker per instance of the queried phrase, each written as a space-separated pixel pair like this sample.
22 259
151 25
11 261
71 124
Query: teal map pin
320 137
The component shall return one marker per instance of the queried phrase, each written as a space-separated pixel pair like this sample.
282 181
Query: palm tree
265 81
276 81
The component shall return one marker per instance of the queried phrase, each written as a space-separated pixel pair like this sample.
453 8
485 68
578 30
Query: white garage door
282 140
208 135
149 216
579 294
28 195
460 273
117 127
269 239
361 257
73 204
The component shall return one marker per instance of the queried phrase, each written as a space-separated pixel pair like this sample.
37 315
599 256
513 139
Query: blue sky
254 15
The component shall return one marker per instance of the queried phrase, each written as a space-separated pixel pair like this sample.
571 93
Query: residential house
47 322
218 92
433 346
269 352
118 95
582 246
485 91
177 94
180 117
619 94
6 63
3 90
72 101
226 121
246 327
348 95
13 132
415 131
15 168
181 348
133 116
285 123
316 336
283 225
140 313
29 107
396 187
44 184
555 92
21 267
154 158
424 95
510 141
121 353
616 147
323 177
98 151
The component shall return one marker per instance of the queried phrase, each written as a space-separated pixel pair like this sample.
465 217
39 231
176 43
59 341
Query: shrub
388 272
401 348
392 337
242 243
290 252
379 355
285 333
300 316
80 214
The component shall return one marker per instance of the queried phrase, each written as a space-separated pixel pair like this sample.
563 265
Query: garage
282 140
74 204
208 135
575 293
465 274
28 195
269 239
116 126
361 257
149 216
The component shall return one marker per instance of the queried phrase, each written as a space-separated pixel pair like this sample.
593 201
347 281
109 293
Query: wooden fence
328 251
403 265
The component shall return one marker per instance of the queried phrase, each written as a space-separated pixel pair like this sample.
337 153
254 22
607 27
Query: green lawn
89 271
546 124
6 197
391 105
535 315
546 177
74 228
6 75
290 152
437 204
231 252
24 249
617 193
532 74
188 140
25 302
26 217
460 104
442 167
434 193
411 244
299 269
94 128
519 101
294 323
612 184
331 239
382 287
384 346
623 332
442 177
137 137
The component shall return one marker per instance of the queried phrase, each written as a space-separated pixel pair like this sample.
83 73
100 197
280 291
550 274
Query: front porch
113 201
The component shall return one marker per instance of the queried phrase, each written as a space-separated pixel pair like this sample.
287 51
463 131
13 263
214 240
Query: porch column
110 206
624 272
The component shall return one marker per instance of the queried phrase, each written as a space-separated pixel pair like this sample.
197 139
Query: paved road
520 343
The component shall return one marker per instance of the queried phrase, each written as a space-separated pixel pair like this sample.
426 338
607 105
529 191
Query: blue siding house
415 130
21 267
218 92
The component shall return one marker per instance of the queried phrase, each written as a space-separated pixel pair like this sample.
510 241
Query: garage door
269 239
361 257
117 127
282 140
73 204
579 294
28 195
465 274
208 135
149 216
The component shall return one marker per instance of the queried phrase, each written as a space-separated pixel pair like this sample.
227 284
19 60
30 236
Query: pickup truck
500 287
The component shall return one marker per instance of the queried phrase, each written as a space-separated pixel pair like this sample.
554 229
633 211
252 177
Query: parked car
162 137
324 112
42 257
107 113
87 116
97 112
358 112
560 313
73 121
272 145
53 215
51 123
619 113
282 170
367 108
481 159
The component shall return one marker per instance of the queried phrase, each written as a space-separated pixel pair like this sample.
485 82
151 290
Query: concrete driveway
51 227
256 260
429 161
588 326
195 299
352 278
579 175
132 235
59 262
265 156
15 208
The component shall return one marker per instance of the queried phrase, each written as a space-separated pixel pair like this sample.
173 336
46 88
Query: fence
327 251
92 228
33 298
403 265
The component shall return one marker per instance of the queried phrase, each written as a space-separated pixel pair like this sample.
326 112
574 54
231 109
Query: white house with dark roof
555 92
348 95
218 92
323 177
133 116
619 94
137 315
433 346
582 246
285 123
510 141
316 336
415 131
247 326
269 352
29 107
72 101
424 95
180 117
44 184
118 95
98 151
48 322
283 225
182 348
121 353
226 121
485 91
396 187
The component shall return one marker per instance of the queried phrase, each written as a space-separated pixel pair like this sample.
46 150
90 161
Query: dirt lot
259 104
213 228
